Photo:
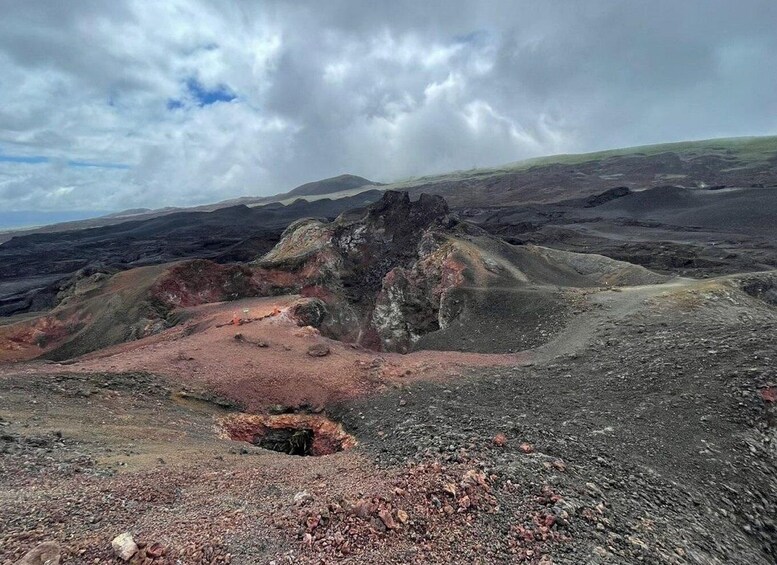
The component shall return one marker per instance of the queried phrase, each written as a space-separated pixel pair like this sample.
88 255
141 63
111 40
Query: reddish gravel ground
204 352
103 453
644 433
106 448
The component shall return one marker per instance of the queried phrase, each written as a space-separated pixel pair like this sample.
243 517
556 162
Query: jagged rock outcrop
387 275
398 275
607 196
356 266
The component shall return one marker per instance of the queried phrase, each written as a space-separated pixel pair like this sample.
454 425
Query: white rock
302 497
124 546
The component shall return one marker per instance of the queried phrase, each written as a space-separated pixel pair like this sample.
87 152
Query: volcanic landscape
568 360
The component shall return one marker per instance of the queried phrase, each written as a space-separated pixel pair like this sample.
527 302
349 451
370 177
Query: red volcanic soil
268 364
190 283
23 341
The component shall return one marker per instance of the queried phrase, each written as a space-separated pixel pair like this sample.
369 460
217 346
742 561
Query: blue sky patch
202 96
40 160
205 97
97 165
29 159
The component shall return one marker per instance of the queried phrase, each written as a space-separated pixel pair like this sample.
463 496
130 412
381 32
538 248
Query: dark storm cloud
207 100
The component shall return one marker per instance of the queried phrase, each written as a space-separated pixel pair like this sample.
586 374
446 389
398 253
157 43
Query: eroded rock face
201 281
409 302
395 274
372 274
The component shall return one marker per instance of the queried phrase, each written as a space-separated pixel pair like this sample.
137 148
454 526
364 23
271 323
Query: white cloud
381 90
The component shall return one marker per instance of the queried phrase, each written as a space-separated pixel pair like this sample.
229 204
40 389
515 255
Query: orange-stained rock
328 436
500 440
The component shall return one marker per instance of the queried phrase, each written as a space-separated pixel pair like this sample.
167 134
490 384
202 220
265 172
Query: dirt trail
608 306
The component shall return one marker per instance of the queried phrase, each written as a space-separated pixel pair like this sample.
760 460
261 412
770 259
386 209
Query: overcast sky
108 105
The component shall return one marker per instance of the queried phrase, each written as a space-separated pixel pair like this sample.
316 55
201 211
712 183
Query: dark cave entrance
291 434
291 441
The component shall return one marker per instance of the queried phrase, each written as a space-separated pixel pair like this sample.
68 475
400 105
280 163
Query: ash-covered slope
405 274
688 231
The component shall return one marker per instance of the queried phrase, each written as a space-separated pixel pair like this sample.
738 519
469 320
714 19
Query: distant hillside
746 149
29 219
328 186
734 162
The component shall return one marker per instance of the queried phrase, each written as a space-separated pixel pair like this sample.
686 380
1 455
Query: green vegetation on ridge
747 150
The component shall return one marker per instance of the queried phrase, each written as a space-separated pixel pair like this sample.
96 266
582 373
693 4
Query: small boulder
363 508
309 312
155 550
559 465
318 350
473 478
46 553
500 440
387 519
769 394
124 547
302 498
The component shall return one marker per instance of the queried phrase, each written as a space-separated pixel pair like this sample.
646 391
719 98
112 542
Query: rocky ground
642 433
657 433
396 386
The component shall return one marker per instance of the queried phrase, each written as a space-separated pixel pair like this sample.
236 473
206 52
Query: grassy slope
749 150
